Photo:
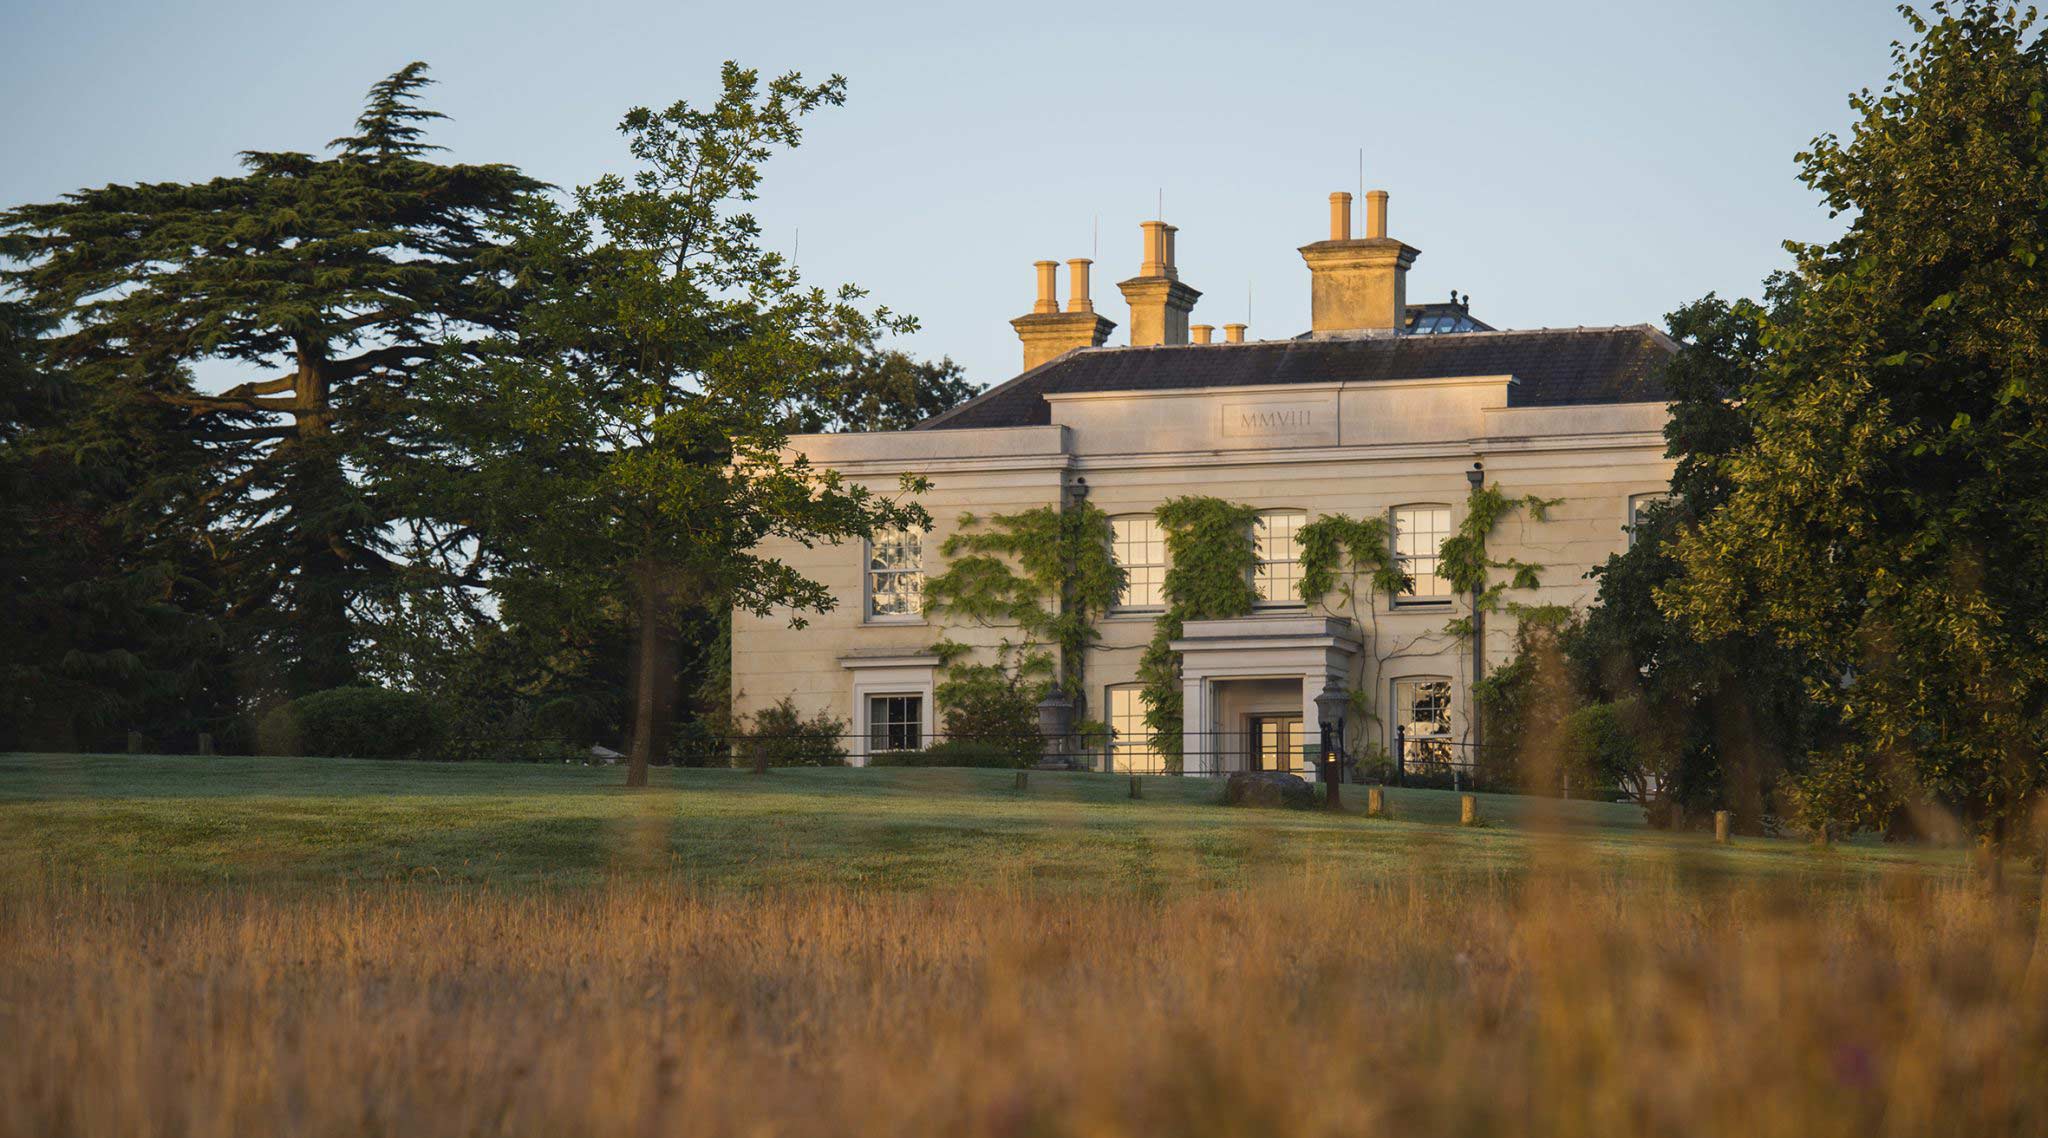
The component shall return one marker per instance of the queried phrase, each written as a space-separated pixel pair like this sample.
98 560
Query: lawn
284 821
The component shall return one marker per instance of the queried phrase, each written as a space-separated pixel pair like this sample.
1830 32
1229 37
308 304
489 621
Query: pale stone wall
1359 450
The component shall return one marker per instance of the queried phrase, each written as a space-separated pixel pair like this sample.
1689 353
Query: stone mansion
1381 409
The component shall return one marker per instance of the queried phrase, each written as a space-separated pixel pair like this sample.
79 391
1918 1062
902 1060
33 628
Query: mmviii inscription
1305 421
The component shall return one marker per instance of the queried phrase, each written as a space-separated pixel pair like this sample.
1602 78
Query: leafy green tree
1889 515
624 441
108 598
332 280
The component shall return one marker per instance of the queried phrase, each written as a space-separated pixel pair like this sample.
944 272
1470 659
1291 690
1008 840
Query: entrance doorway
1275 742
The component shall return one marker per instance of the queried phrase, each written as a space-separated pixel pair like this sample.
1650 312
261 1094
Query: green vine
1210 558
1354 559
1048 572
1464 562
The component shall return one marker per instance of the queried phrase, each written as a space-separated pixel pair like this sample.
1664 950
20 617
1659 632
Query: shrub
353 723
780 734
996 753
993 709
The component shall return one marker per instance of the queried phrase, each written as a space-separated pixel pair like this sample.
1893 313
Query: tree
1889 515
624 441
333 279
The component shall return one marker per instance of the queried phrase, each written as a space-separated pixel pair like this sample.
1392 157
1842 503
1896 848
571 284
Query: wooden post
1721 827
1375 802
1023 780
1137 788
134 742
761 761
1468 810
205 742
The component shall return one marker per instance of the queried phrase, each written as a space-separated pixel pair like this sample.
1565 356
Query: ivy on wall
1210 556
1048 572
1353 558
1464 561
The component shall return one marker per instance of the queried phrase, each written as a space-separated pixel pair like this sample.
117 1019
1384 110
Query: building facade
1381 410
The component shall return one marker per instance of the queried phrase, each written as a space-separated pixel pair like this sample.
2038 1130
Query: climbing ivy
1333 543
1210 556
1463 560
1049 573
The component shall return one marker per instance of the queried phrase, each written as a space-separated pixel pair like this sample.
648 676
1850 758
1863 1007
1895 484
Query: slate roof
1552 366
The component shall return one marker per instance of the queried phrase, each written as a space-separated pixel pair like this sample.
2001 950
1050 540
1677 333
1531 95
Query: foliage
625 438
332 279
782 735
355 722
883 391
1464 563
992 706
1889 515
1048 572
1210 559
1620 744
968 752
1362 549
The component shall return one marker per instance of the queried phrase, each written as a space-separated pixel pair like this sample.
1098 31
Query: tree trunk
653 669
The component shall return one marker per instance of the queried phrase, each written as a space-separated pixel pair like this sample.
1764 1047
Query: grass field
217 947
278 821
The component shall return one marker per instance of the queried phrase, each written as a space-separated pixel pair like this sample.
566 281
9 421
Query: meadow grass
214 947
275 822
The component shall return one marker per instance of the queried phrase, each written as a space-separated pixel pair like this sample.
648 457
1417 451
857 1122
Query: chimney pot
1048 287
1233 333
1340 216
1077 286
1376 214
1202 332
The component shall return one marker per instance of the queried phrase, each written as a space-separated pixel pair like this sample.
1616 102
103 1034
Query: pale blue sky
1566 162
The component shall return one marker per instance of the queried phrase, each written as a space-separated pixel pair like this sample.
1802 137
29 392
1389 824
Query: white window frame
1403 724
1263 580
1130 737
1402 560
869 572
1117 546
923 740
1632 510
905 674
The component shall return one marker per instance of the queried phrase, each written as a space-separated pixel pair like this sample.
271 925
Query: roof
1552 367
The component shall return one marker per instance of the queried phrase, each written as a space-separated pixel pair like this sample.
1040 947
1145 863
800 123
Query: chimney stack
1202 332
1160 303
1049 333
1233 333
1358 285
1077 285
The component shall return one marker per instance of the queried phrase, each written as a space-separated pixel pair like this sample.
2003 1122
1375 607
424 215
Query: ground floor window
1422 710
895 722
1130 741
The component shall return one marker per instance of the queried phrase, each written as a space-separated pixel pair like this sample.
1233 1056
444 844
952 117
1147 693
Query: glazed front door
1275 743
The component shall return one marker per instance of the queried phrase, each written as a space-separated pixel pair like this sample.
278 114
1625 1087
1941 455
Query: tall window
1140 547
896 575
1130 741
895 722
1422 709
1419 533
1639 507
1277 575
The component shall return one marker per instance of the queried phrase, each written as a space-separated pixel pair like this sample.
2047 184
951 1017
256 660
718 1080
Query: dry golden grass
1299 1007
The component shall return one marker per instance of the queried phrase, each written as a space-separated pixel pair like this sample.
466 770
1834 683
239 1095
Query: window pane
895 722
1639 505
1277 576
1419 533
1130 741
1422 708
1140 547
896 573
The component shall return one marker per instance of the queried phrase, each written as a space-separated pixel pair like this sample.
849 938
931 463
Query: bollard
1137 788
1375 802
205 742
1468 810
1721 827
1023 780
134 742
761 762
